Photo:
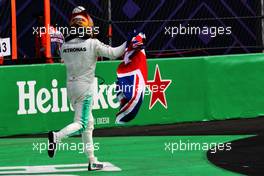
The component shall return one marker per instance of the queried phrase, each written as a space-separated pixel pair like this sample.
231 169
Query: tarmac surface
246 156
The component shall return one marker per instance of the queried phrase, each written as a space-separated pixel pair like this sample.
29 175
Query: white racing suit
80 58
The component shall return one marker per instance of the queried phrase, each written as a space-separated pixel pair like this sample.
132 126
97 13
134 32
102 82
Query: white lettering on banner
111 97
30 96
64 106
102 121
5 47
32 101
55 98
100 98
41 101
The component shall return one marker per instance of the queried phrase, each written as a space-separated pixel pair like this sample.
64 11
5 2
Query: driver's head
80 18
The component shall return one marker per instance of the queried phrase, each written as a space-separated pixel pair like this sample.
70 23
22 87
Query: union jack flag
132 78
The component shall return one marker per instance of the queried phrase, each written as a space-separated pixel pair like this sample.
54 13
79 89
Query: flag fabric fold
131 80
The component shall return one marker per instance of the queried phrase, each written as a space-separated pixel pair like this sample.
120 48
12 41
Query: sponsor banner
34 97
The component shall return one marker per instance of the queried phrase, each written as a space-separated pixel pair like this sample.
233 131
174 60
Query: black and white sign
5 49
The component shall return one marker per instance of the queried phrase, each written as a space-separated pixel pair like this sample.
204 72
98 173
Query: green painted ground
134 155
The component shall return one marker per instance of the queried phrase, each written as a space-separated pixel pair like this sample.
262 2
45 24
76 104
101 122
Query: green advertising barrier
34 97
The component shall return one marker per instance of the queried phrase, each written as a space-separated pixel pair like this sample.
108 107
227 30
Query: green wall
201 89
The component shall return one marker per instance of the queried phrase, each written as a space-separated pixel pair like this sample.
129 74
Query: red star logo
158 87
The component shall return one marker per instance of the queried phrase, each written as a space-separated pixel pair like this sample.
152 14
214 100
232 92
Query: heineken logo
33 100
